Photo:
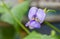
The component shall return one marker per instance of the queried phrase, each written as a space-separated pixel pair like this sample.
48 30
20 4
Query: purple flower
36 17
32 12
33 24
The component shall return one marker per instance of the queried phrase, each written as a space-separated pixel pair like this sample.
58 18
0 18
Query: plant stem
21 25
52 26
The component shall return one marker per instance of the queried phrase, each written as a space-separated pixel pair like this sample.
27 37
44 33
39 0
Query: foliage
35 35
18 12
1 9
7 32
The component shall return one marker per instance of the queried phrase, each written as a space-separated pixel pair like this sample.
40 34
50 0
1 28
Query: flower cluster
36 17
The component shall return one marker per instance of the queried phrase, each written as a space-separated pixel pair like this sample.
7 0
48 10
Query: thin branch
52 26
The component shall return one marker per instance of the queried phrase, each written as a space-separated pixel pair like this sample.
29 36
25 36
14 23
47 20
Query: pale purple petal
41 15
27 24
35 24
32 12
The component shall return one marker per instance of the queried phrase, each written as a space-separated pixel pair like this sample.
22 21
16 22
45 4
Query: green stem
21 25
52 26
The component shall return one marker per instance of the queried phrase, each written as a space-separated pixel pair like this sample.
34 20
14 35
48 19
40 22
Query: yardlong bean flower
36 17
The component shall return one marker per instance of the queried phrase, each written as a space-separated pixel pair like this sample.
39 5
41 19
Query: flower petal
35 24
30 27
41 15
32 12
27 24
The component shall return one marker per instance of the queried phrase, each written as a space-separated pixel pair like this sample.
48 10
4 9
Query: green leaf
1 4
7 32
2 9
53 33
35 35
6 17
21 9
51 11
45 10
18 11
